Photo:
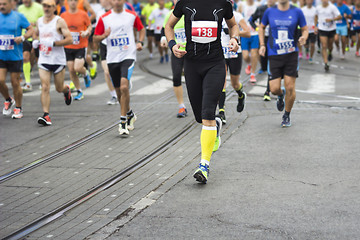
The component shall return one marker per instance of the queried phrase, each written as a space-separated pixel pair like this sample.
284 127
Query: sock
46 114
252 74
9 99
18 107
130 113
207 139
239 91
123 119
222 99
287 114
204 162
113 93
27 70
182 105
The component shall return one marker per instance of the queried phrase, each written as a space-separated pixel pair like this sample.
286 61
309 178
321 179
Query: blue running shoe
79 96
161 59
202 173
286 121
280 103
167 58
261 71
87 80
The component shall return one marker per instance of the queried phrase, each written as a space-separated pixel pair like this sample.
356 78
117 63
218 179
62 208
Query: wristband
142 43
171 44
22 38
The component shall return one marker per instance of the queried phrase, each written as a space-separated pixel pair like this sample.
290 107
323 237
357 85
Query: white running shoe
8 107
123 129
130 122
113 101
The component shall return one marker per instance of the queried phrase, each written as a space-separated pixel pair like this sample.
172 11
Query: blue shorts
249 43
342 30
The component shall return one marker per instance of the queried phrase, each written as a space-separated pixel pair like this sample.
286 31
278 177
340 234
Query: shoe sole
181 116
285 125
124 135
245 96
42 122
130 128
14 117
200 177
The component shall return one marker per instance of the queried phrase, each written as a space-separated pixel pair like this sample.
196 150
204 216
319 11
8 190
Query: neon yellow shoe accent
72 86
202 173
93 70
217 144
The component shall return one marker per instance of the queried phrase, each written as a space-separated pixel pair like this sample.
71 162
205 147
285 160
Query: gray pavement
265 182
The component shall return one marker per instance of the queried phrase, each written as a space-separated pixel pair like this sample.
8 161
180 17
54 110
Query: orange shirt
77 22
79 6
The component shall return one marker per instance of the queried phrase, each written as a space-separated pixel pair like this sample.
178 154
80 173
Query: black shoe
68 97
330 57
241 103
280 103
267 96
221 115
327 67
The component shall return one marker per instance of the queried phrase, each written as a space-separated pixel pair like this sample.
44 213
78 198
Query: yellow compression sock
240 87
26 70
207 139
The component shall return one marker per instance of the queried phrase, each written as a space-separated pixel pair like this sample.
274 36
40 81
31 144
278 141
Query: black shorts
204 82
120 70
177 66
27 46
329 34
52 68
149 33
311 38
281 65
12 66
71 54
234 64
103 51
157 37
354 32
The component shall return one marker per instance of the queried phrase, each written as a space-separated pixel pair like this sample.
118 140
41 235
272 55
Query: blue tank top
355 21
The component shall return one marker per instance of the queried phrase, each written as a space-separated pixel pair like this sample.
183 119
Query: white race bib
75 37
120 42
180 35
204 31
7 42
356 23
283 43
45 51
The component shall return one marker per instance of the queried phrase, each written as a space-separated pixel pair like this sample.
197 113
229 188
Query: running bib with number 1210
204 31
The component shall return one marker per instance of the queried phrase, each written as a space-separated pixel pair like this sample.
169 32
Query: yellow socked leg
27 70
207 140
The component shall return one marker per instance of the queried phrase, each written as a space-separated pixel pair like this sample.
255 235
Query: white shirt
158 15
247 11
120 44
309 14
225 38
330 12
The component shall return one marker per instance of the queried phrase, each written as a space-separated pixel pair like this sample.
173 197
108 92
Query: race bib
75 37
283 43
45 51
356 23
228 53
120 43
328 24
180 35
7 42
204 31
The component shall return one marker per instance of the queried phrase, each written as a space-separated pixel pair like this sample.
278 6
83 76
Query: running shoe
311 61
93 70
267 96
307 56
130 121
161 59
280 103
327 67
72 87
218 130
18 113
166 58
151 56
241 103
357 54
27 87
221 115
182 112
347 49
260 71
44 120
67 96
330 57
248 69
123 129
112 101
79 96
286 121
252 79
8 107
342 56
300 56
87 79
202 173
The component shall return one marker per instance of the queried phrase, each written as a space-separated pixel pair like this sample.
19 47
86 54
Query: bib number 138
204 31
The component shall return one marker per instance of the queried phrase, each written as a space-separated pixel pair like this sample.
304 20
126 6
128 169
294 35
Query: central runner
204 65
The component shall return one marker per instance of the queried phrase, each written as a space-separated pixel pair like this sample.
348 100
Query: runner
83 5
250 46
355 24
283 21
53 35
309 12
204 65
79 25
177 64
145 12
326 15
258 14
117 27
157 19
233 61
32 11
137 7
11 47
341 27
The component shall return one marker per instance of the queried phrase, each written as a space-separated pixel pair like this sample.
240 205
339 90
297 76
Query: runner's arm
170 36
89 9
262 48
29 32
245 32
234 33
64 30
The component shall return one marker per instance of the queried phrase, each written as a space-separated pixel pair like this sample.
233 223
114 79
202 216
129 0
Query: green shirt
32 13
179 29
147 10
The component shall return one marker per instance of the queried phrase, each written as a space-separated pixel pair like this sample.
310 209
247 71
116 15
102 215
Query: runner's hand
139 46
35 44
177 52
84 34
233 45
18 40
163 42
262 51
302 40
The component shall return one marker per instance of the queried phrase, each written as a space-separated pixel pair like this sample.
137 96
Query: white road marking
154 88
322 83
